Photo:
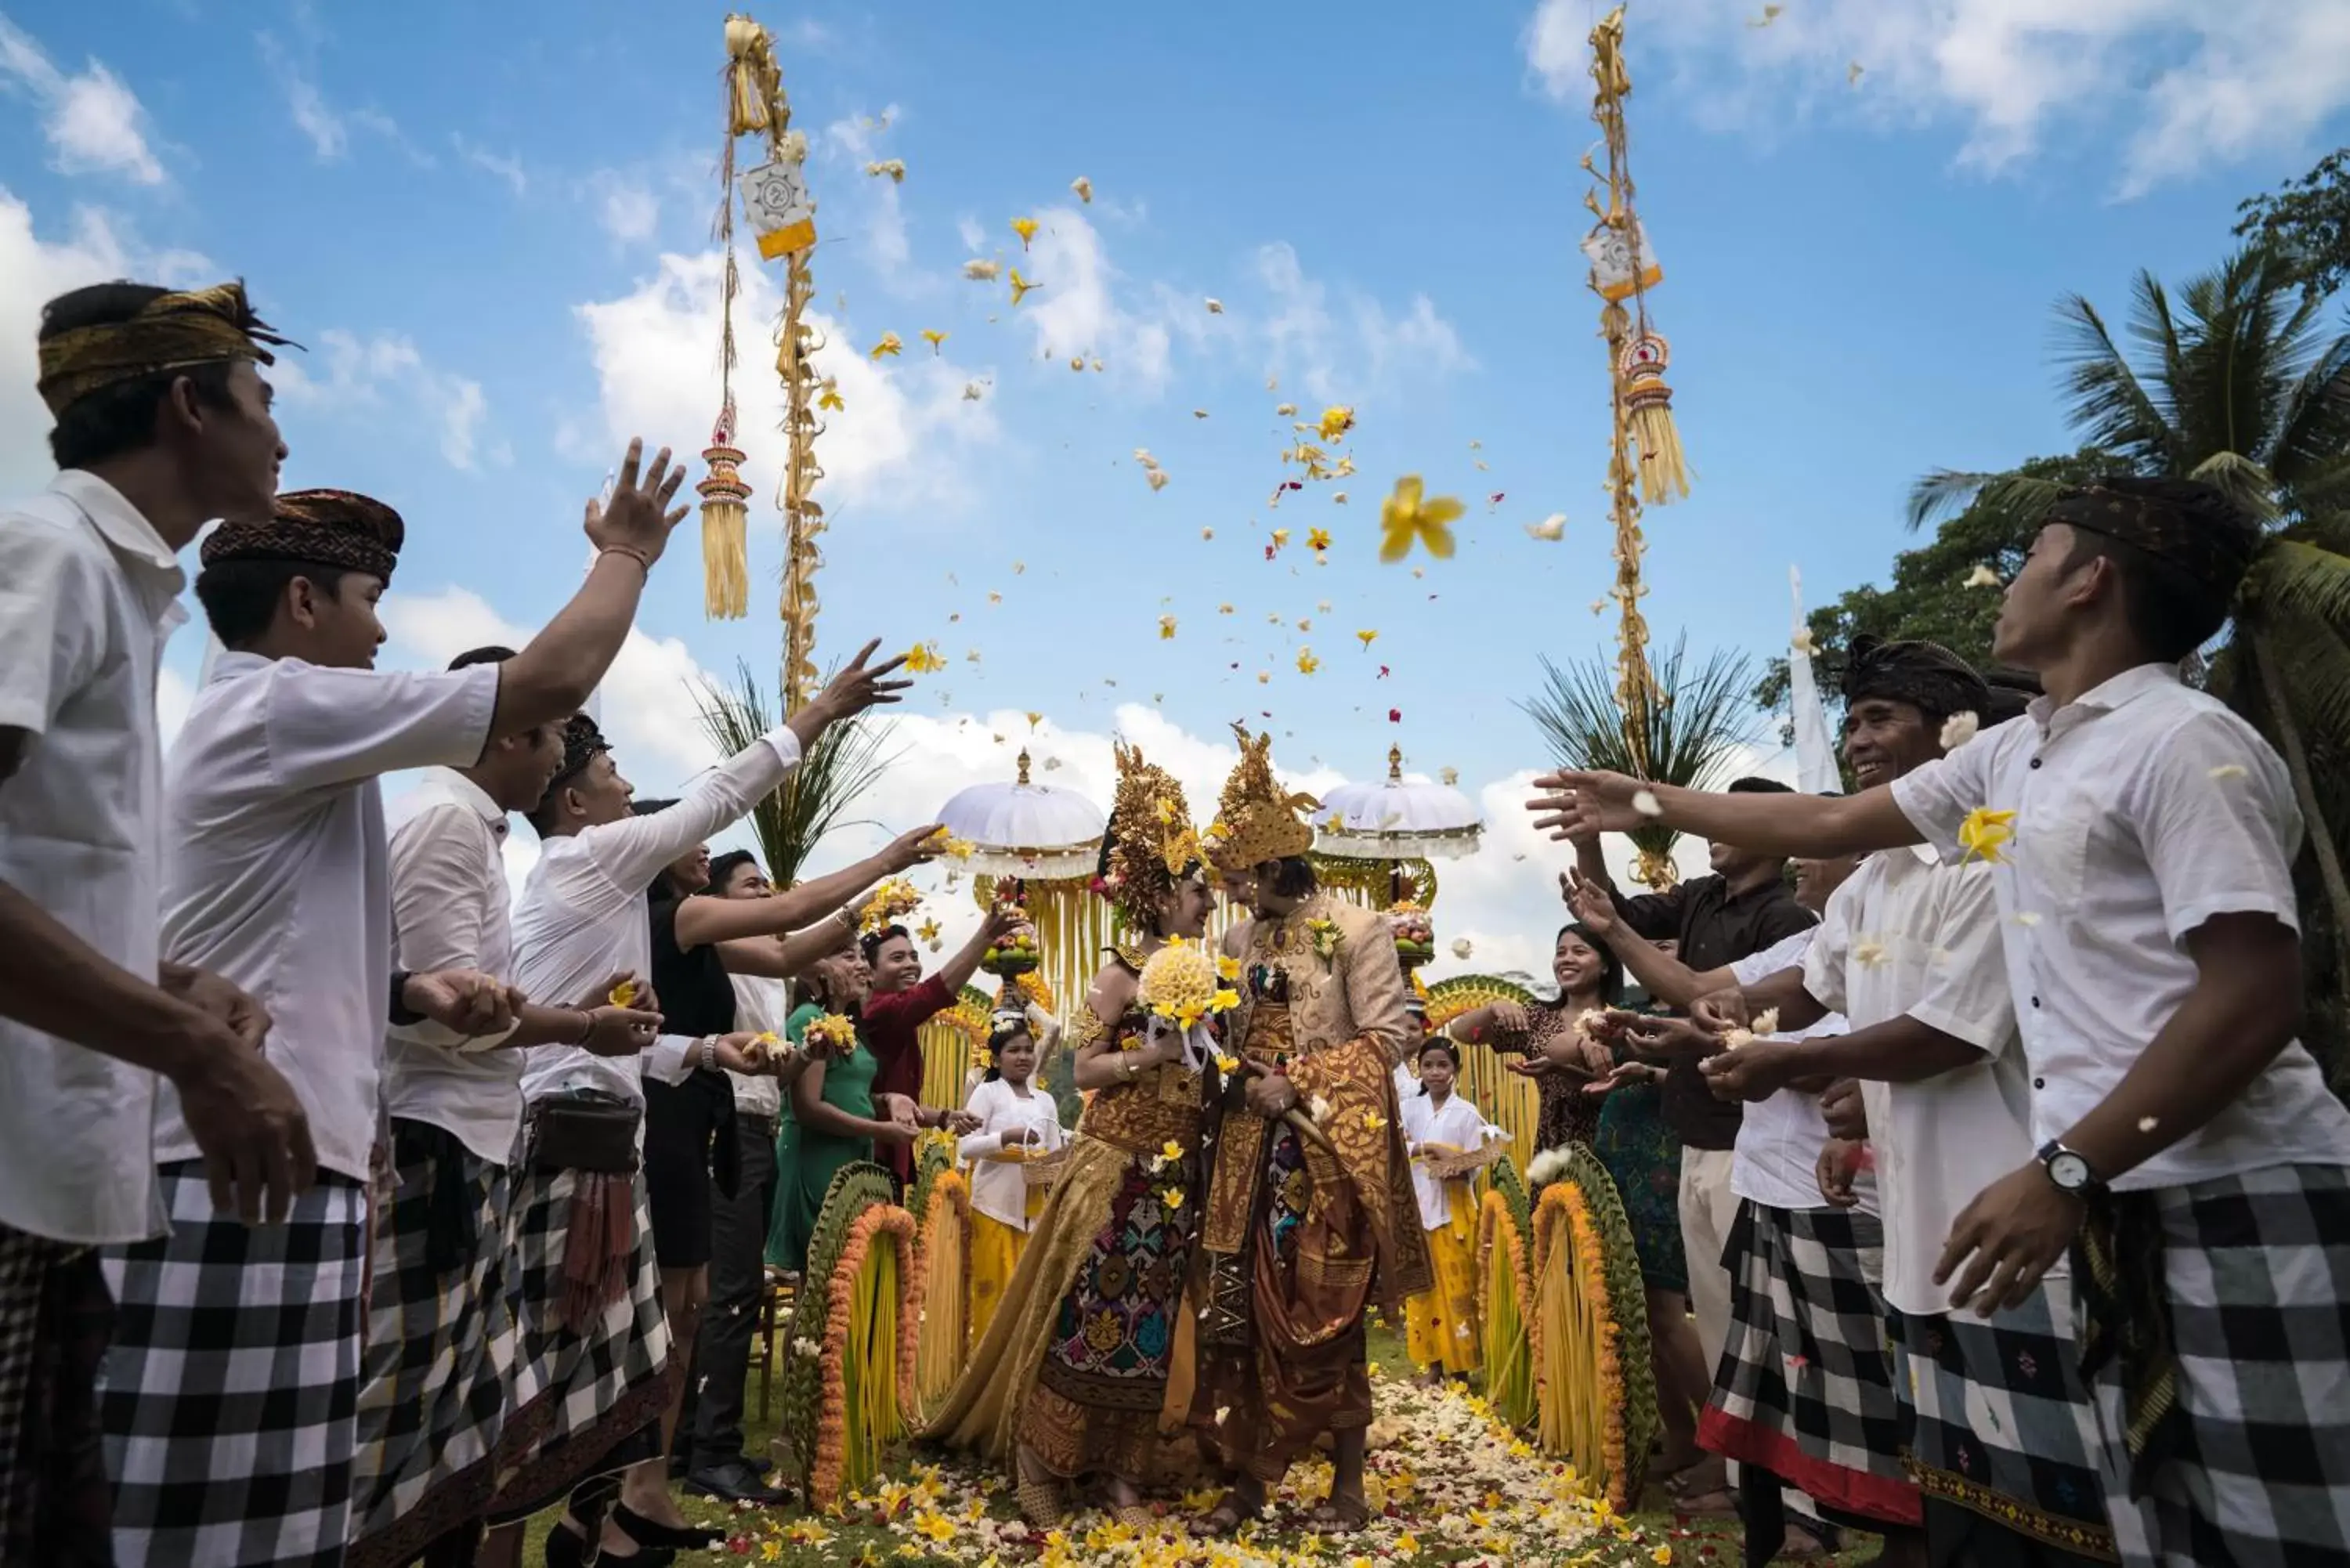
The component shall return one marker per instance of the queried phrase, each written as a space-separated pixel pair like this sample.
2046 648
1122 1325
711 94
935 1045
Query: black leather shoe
736 1482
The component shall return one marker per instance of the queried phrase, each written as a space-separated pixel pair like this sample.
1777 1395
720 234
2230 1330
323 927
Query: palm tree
845 762
1698 722
2243 386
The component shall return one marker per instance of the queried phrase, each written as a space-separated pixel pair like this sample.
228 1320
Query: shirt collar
124 525
451 784
2115 692
233 663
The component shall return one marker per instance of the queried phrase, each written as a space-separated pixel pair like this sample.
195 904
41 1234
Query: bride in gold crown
1074 1373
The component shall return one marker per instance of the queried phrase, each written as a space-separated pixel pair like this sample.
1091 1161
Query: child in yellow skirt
1441 1325
1018 1123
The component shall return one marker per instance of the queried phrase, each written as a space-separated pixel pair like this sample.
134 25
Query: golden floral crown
1256 819
1150 845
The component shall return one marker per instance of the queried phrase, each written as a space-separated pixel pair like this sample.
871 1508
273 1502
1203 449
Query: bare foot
1342 1515
1242 1502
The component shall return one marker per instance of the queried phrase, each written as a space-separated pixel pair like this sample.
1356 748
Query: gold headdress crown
1150 845
1256 819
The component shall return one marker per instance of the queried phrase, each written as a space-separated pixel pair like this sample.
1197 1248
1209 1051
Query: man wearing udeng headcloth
1310 1210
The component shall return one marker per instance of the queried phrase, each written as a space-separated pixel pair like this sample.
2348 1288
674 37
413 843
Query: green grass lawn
849 1542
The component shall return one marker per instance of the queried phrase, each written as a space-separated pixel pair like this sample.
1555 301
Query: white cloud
974 237
1353 346
901 440
366 373
1076 309
627 208
504 166
2193 84
32 272
93 122
329 138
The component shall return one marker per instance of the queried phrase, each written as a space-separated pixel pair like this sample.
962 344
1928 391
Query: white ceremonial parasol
1031 831
1398 819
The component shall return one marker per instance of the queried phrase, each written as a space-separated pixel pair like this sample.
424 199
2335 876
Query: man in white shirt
1804 1392
162 422
275 874
2189 1153
441 1338
2001 1440
599 1357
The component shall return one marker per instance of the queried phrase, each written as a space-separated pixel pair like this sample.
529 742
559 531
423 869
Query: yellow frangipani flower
923 658
934 340
1021 286
1228 1065
1280 537
1306 663
1984 830
1173 1198
1367 638
1410 514
888 345
1227 967
1224 1001
1166 629
1318 539
829 396
623 994
928 930
1025 228
1336 421
1171 1151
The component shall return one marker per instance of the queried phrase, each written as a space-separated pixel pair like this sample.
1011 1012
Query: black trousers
709 1431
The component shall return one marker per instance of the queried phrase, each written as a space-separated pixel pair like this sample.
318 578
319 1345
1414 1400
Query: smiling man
2189 1153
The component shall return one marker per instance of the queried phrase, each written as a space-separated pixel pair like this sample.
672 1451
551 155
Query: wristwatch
2068 1170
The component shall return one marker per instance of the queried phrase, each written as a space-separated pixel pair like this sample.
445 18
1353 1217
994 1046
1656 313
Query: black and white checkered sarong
1997 1421
54 1315
582 1407
1805 1389
440 1349
232 1388
2258 1269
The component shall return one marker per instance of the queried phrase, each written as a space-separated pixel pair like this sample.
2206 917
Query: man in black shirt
1745 906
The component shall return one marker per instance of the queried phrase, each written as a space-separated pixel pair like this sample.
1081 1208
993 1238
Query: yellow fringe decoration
1507 1345
1509 1102
1074 927
943 1342
726 542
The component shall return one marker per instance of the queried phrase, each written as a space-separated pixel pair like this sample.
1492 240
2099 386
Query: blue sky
496 241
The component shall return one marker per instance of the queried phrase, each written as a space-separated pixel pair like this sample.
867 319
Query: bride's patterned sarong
1077 1363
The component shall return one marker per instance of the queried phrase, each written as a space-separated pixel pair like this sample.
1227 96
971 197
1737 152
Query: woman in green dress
832 1117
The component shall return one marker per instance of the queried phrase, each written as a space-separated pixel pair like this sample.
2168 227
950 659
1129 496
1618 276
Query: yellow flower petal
1025 228
1166 628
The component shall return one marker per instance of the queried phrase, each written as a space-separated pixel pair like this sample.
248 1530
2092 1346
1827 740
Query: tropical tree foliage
1697 726
2307 223
2239 382
845 762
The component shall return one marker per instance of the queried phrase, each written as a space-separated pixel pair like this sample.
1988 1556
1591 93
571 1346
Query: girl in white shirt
1017 1123
1440 1323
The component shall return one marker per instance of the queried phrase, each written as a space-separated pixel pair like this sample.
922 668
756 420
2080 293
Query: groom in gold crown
1309 1210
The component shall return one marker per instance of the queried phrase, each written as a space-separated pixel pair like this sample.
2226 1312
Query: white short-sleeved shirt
763 1005
1458 1125
1776 1162
2142 809
276 874
449 904
1910 935
999 1188
88 596
583 915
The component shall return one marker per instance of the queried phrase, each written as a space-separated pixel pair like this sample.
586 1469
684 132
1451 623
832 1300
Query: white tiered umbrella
1036 832
1398 819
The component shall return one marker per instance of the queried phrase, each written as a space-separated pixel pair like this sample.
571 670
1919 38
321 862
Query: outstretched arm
703 920
1575 805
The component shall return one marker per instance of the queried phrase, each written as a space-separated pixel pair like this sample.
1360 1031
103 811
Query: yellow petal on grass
1410 515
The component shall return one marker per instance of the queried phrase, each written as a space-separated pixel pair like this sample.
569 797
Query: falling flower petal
1869 953
934 340
1645 803
1802 642
893 167
1083 187
1338 498
982 271
1982 577
1336 421
828 395
888 345
970 392
1408 516
1306 663
1318 539
1983 831
1958 730
1025 228
1461 946
923 658
1366 638
1284 409
1021 286
1199 413
1552 527
1450 776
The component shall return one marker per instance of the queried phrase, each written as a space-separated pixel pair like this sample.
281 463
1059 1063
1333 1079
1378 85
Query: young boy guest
232 1384
2191 1157
162 422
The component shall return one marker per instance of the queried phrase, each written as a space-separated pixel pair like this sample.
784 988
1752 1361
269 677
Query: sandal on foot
1038 1497
1228 1517
1340 1516
1715 1504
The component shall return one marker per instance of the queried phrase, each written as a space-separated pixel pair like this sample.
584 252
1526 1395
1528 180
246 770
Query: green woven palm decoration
1503 1175
936 1159
855 1188
1627 1303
